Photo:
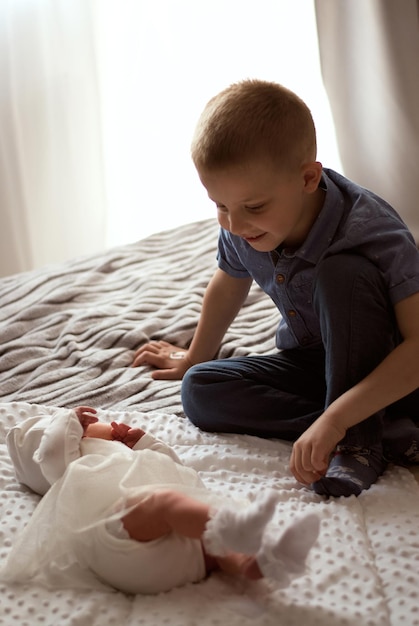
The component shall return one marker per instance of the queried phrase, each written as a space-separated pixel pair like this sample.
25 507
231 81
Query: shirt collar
324 228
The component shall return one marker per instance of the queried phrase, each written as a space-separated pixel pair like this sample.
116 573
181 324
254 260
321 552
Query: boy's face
265 206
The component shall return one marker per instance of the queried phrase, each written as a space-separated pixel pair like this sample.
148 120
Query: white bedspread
67 337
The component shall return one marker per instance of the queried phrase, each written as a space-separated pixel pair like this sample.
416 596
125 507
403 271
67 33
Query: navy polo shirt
352 219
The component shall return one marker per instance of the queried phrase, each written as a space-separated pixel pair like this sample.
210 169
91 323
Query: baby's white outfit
74 537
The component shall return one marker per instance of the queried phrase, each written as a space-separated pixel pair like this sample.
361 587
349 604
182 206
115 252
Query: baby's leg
222 531
234 564
166 511
279 558
240 530
276 557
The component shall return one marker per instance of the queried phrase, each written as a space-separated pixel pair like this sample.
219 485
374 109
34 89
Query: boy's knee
345 265
190 381
337 275
199 396
191 395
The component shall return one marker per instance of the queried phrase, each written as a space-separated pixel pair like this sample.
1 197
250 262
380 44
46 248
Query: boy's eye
221 208
257 207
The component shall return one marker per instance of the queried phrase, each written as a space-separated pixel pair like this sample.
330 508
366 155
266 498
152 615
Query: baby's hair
250 120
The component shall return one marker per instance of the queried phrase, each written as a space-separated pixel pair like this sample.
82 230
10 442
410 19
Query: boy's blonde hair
251 120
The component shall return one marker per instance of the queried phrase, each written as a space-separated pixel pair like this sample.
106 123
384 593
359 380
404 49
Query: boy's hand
311 452
86 415
171 361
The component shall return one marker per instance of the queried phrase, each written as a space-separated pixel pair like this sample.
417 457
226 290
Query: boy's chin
264 244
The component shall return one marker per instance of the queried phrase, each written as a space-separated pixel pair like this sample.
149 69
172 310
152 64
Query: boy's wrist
334 423
198 354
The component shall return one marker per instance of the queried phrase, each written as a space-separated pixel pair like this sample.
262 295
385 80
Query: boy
343 270
120 508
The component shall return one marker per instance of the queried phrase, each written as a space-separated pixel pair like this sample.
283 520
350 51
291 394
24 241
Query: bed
68 335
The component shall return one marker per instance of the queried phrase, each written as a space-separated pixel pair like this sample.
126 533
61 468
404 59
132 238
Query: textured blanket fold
68 334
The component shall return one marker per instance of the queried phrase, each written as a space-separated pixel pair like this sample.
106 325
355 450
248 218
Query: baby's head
43 442
254 120
42 447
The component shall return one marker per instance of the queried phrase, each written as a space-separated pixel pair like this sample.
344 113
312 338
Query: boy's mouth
254 239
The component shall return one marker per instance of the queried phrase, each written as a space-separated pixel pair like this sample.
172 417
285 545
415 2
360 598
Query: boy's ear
312 173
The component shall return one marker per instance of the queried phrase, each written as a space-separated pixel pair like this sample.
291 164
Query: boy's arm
395 377
222 301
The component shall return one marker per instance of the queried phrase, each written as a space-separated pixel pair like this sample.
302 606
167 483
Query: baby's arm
222 301
148 442
112 432
127 435
86 415
138 439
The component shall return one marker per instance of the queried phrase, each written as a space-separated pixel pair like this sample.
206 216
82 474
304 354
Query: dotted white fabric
363 571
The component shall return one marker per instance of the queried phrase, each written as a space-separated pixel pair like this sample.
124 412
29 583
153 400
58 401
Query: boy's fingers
159 354
147 357
148 347
302 466
156 359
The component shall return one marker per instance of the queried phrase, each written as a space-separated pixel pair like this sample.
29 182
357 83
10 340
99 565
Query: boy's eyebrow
245 201
254 202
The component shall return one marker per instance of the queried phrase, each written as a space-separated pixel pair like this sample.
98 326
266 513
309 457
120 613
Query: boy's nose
236 224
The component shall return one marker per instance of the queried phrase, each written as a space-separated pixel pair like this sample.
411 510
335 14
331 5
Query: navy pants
280 395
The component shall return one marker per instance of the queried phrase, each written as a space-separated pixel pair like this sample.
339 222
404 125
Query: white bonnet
41 447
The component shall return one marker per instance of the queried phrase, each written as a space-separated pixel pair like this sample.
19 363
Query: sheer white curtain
159 62
52 200
98 103
370 55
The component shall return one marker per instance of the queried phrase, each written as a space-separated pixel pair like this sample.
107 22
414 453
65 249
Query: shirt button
280 278
292 313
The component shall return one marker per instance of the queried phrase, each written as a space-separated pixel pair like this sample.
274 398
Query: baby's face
99 430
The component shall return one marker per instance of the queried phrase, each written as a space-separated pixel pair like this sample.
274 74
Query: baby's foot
285 559
351 470
239 530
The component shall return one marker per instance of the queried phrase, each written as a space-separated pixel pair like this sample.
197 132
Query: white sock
285 558
239 530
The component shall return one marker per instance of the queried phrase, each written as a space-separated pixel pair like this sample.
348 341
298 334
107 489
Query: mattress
68 333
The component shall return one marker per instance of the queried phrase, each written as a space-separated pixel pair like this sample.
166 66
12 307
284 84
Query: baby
121 510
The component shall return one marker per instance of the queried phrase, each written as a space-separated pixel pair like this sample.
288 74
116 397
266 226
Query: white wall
159 62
